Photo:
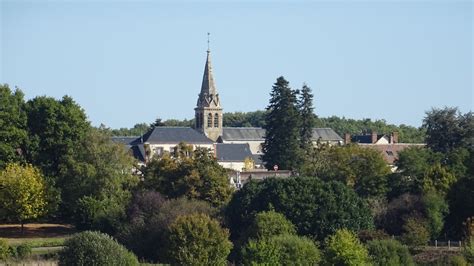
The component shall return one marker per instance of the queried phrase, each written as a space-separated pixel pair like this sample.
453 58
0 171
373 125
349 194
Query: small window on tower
216 120
209 120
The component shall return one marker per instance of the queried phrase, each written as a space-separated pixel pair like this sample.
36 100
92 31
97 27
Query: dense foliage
389 252
22 193
344 248
316 208
149 216
198 176
283 249
94 248
198 240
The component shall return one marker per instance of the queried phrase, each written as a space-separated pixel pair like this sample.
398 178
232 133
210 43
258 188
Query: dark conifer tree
308 121
282 125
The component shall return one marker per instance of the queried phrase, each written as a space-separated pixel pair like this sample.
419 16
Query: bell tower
208 111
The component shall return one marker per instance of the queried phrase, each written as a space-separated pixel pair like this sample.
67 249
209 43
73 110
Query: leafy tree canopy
316 208
198 176
344 248
13 133
22 193
198 240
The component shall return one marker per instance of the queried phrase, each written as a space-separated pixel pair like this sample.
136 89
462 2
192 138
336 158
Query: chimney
394 137
347 138
374 137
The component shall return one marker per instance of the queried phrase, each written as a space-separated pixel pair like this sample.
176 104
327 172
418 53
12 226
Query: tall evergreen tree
282 125
308 121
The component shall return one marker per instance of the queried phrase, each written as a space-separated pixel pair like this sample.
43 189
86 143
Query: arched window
216 120
209 120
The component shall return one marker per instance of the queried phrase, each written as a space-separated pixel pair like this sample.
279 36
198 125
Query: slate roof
125 140
258 134
326 134
138 152
232 152
243 133
390 151
171 135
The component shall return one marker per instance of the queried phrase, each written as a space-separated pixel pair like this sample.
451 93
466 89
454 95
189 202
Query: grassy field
45 239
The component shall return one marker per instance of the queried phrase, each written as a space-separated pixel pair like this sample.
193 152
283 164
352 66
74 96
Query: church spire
208 96
208 110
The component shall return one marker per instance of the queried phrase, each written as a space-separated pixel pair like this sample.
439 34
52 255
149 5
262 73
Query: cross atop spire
208 49
208 96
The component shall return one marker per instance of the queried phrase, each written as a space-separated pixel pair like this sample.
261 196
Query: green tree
149 216
55 128
316 208
448 129
389 252
438 179
283 249
198 240
416 232
96 181
282 125
344 248
94 248
435 210
461 205
197 177
22 193
13 134
270 223
361 168
306 109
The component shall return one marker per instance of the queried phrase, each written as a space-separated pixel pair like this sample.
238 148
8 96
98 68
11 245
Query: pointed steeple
208 96
208 111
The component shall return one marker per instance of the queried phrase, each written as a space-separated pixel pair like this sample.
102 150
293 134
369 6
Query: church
233 147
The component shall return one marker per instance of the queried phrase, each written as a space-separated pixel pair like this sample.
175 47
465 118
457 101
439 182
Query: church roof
258 134
232 152
243 133
170 135
325 134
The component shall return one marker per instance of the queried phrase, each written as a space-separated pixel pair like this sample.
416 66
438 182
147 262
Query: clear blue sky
126 62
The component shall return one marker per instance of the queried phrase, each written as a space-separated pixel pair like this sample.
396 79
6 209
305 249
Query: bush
416 232
21 251
316 208
344 248
94 248
468 251
389 252
198 240
148 220
369 235
282 249
268 224
3 249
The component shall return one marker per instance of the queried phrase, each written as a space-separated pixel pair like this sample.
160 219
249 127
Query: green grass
37 242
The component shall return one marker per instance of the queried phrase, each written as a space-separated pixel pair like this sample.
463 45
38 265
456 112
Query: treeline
342 125
345 208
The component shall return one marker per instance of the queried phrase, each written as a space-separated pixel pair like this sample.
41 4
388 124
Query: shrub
344 248
368 235
416 232
260 252
468 251
94 248
198 240
21 251
148 220
282 249
3 249
389 252
268 224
